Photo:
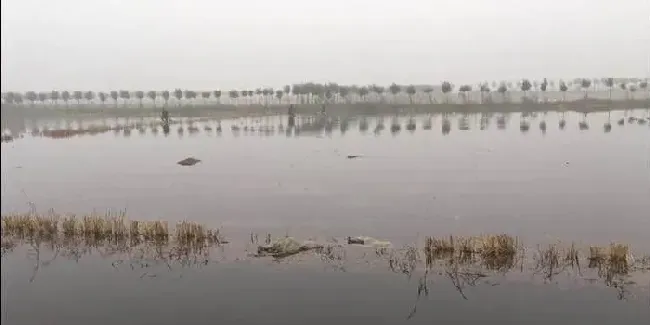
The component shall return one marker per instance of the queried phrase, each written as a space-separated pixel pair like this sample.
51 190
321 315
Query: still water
569 184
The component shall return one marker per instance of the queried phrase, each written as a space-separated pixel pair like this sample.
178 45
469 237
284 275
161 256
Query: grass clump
495 251
498 251
155 231
96 230
70 226
617 254
192 232
30 226
187 231
612 264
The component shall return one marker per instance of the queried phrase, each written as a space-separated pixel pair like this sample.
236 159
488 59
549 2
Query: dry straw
95 229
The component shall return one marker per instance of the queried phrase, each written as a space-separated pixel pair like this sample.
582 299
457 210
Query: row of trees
332 93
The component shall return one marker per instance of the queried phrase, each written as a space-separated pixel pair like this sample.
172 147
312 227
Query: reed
95 229
498 251
156 231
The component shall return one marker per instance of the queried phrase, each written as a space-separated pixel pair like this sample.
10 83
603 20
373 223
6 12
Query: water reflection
305 125
464 261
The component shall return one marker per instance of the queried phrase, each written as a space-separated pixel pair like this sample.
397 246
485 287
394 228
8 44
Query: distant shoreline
236 111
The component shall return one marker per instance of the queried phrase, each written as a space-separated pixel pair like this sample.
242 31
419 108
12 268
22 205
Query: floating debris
190 161
368 241
355 241
285 247
354 156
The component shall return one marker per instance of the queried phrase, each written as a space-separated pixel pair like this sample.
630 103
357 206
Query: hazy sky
212 44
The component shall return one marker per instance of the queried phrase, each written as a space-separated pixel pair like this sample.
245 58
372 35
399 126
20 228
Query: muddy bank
233 111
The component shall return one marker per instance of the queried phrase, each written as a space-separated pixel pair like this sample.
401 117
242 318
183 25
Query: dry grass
156 231
30 226
438 248
404 260
496 251
612 265
548 260
618 253
96 229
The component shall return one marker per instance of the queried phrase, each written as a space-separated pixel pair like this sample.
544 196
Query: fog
201 44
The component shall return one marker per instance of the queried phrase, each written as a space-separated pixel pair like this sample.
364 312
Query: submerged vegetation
466 261
496 252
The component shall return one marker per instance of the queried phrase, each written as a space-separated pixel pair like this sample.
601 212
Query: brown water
587 186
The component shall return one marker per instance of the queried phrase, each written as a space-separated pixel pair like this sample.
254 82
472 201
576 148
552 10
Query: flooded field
560 185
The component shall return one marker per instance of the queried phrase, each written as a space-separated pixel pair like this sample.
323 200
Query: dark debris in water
354 156
190 161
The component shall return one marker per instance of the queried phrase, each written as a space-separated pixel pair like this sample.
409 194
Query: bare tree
89 96
503 89
54 96
205 95
125 95
114 96
525 86
190 95
563 89
363 92
463 92
244 93
8 97
296 90
446 88
633 90
287 91
31 96
585 84
643 85
217 96
17 98
609 82
484 89
380 90
165 96
269 95
102 97
394 89
259 92
233 94
139 94
65 95
178 94
543 88
429 91
78 95
151 94
344 91
410 90
42 97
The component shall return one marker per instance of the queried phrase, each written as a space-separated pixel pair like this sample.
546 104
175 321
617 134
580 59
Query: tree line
310 93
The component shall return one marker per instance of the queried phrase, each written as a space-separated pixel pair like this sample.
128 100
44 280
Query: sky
206 44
